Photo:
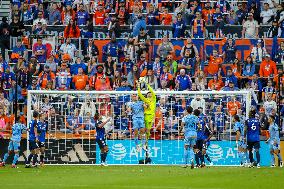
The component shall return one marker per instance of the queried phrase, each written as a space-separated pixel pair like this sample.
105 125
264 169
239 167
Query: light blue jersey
137 114
274 140
17 131
137 109
241 128
190 128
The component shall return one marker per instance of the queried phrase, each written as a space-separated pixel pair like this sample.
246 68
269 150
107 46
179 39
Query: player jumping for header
274 141
239 128
14 144
42 130
149 107
189 123
138 123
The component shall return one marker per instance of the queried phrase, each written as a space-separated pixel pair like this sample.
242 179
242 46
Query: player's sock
16 157
257 156
241 155
186 156
102 157
279 157
272 160
251 156
5 157
34 159
202 158
207 157
41 158
191 154
29 159
196 156
144 139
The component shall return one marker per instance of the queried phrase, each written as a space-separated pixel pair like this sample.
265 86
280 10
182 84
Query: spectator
129 48
63 78
16 27
51 64
237 68
200 81
40 29
187 63
68 48
3 64
95 81
133 76
266 14
248 69
240 14
250 27
91 50
230 51
214 61
198 26
80 80
192 50
40 19
45 77
127 65
99 15
54 15
216 83
269 89
27 15
105 86
207 13
113 27
72 30
110 66
122 15
280 54
92 66
4 103
233 106
19 64
157 67
40 51
198 65
4 121
67 15
88 107
152 16
231 78
82 16
231 19
223 5
258 52
39 9
113 49
167 77
216 15
267 67
219 26
142 43
269 105
274 30
7 78
230 87
20 49
165 48
179 27
151 79
198 102
172 64
140 23
5 32
183 81
166 18
33 66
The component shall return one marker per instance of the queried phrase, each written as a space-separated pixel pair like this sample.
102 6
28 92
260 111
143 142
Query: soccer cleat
14 166
42 164
272 165
2 164
192 164
281 164
258 166
104 164
28 166
202 165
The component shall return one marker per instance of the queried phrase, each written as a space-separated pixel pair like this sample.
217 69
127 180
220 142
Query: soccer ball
142 79
108 126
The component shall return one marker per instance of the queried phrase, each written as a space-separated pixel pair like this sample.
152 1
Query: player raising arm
274 141
252 132
138 124
100 138
149 108
189 124
33 140
239 128
42 130
14 144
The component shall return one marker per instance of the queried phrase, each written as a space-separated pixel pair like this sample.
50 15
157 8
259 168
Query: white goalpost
72 133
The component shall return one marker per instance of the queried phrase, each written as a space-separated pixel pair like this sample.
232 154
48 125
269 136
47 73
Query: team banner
171 152
100 32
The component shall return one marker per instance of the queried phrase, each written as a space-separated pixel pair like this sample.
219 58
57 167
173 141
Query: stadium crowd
38 67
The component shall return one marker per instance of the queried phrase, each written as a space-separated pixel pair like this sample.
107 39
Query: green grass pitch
141 177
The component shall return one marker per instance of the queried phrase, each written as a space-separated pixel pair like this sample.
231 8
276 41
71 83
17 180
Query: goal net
71 119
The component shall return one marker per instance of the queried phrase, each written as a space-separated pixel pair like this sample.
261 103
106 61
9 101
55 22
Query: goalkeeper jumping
149 107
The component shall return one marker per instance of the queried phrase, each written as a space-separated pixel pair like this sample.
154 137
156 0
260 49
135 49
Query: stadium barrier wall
123 152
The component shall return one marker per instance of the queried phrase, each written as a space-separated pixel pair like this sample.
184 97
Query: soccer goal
71 118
